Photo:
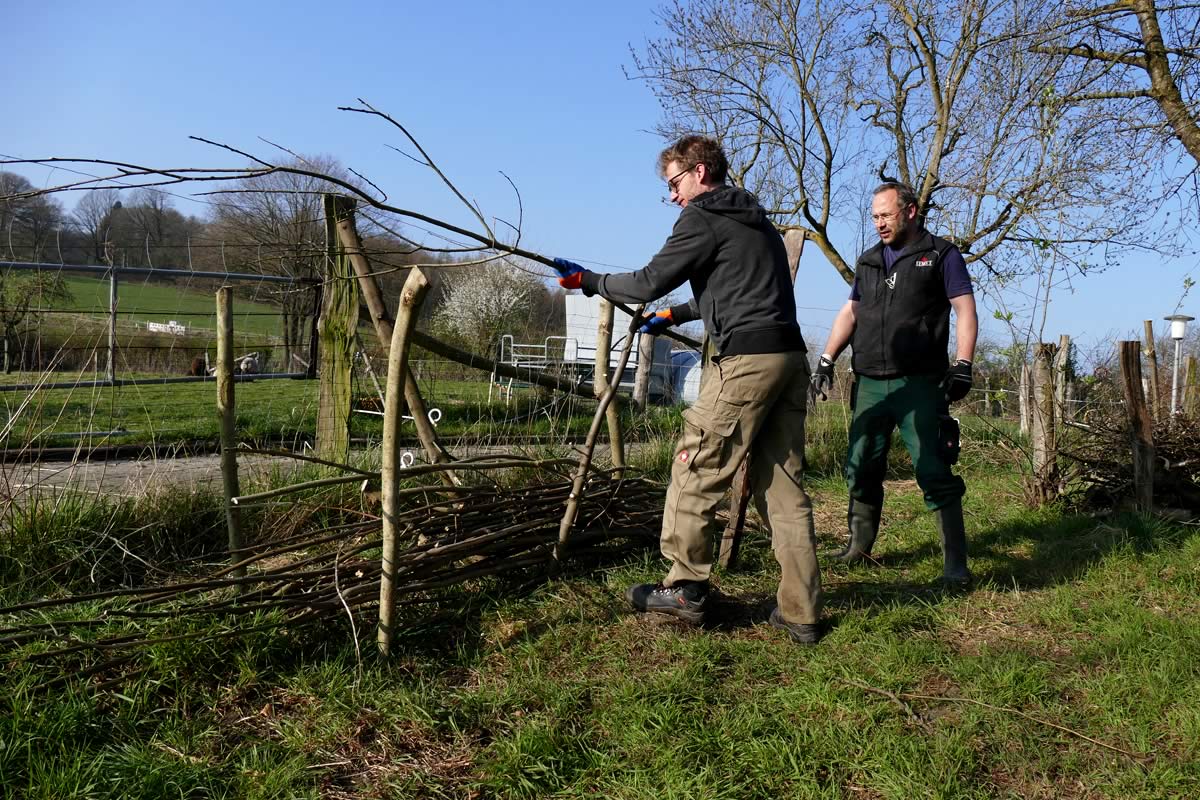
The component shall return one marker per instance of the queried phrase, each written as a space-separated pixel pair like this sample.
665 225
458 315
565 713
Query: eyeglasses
673 182
892 217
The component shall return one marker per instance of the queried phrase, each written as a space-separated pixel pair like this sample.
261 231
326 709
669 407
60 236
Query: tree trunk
1163 87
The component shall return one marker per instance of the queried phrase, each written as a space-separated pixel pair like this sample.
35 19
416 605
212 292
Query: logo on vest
925 262
891 280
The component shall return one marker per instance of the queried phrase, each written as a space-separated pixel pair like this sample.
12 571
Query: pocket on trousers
716 427
949 439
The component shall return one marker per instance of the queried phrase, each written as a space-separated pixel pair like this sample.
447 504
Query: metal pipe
1175 379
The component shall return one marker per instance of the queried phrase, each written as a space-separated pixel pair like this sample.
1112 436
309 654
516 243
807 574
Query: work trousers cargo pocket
712 429
949 439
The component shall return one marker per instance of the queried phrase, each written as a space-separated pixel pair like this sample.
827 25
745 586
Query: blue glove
570 273
656 323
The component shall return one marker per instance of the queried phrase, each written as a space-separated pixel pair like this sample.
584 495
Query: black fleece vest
902 326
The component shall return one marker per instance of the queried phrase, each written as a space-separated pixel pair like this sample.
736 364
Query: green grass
193 305
1086 623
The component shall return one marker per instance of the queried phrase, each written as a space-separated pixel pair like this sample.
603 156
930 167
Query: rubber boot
863 522
955 574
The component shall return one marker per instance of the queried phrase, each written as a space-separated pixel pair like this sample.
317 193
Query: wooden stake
1141 426
1152 364
415 288
1062 358
1045 451
641 381
585 461
227 414
384 327
1190 376
336 328
600 383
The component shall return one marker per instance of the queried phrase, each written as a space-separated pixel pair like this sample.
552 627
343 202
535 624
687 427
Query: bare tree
1138 58
28 223
274 224
818 101
92 219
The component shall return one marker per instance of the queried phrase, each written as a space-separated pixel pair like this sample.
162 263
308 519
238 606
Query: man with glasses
898 323
752 399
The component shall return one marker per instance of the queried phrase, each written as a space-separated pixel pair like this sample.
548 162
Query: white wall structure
583 319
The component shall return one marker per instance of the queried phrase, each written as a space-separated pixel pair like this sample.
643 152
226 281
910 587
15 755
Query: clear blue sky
535 89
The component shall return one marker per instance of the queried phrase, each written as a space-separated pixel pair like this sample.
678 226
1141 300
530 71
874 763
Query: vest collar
920 243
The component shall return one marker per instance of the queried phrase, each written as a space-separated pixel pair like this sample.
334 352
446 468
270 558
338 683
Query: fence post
226 413
1045 449
1141 427
336 328
1152 364
641 381
110 370
411 297
1189 387
1062 390
1023 397
347 232
616 442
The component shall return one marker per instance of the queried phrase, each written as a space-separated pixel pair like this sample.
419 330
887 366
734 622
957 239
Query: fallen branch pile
1100 463
456 540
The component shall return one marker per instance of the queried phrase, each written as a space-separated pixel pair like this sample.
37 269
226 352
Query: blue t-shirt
954 272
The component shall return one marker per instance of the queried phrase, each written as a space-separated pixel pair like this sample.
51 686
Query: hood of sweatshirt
733 203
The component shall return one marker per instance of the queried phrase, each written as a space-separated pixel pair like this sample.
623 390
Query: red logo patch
683 456
925 262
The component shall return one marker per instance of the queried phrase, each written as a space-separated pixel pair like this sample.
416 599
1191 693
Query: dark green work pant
914 405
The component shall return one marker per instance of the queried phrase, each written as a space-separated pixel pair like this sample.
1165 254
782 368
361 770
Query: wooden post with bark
336 328
347 233
411 297
226 411
1152 369
600 383
740 491
1045 450
1023 399
1141 426
1190 377
1062 389
589 447
641 381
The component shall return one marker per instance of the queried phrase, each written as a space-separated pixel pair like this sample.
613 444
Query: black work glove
957 381
822 380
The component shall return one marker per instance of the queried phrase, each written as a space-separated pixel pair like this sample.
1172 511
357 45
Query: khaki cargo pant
756 405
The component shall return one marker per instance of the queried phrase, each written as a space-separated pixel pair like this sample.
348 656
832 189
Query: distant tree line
269 226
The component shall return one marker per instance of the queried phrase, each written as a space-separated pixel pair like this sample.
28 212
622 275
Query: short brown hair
694 149
904 193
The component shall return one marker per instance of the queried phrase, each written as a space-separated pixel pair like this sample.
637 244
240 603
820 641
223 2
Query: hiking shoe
800 632
685 601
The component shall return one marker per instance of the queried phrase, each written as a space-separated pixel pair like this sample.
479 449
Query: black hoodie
733 257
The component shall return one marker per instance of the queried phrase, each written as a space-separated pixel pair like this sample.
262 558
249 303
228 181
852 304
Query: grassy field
1072 670
193 305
